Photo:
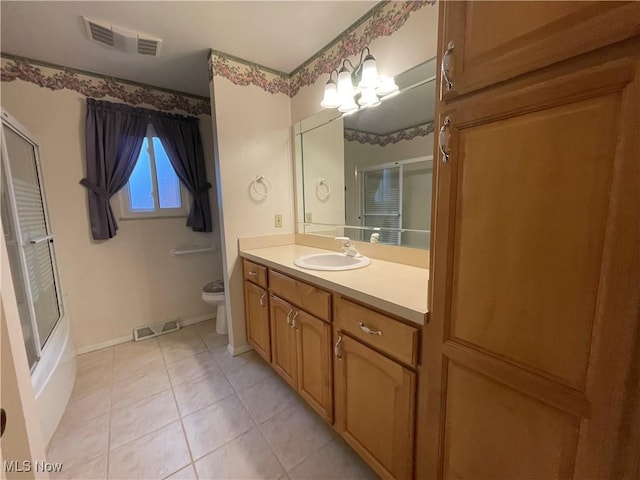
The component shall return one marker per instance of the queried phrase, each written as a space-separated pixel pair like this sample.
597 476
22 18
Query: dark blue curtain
180 137
114 136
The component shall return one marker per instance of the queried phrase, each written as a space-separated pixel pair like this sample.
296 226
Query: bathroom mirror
368 175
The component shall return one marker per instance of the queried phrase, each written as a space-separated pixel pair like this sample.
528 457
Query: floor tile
201 392
193 368
84 407
247 457
142 417
133 358
93 380
182 348
95 469
208 326
215 341
335 461
244 370
152 456
78 444
97 360
187 473
215 425
267 397
130 390
295 433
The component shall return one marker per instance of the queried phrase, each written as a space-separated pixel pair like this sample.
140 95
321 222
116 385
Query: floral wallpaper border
395 137
93 85
382 20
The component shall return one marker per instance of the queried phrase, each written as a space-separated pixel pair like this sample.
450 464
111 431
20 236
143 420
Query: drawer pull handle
293 320
262 299
443 139
368 331
337 350
253 274
446 66
289 317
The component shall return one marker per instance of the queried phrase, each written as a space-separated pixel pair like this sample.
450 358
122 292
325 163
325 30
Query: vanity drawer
395 338
315 301
254 273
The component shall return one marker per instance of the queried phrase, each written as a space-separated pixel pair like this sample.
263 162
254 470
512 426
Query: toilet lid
214 287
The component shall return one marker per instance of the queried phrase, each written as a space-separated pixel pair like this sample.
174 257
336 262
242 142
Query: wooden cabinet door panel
535 261
313 340
257 316
375 405
283 341
498 40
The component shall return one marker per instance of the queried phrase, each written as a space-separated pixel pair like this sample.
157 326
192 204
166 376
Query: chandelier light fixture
360 87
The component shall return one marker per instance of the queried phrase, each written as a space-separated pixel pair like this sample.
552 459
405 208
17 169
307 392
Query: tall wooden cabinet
536 245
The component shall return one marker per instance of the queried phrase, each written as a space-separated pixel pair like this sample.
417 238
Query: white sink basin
332 262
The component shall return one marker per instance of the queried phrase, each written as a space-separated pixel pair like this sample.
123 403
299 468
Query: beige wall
110 286
254 138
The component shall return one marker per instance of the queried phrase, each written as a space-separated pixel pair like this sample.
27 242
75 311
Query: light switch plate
278 220
308 217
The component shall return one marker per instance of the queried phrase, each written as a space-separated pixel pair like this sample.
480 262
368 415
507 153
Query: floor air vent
155 329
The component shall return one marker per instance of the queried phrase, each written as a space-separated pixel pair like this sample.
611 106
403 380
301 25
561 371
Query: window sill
151 217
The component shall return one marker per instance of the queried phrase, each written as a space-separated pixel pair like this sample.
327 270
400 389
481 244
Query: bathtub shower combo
30 247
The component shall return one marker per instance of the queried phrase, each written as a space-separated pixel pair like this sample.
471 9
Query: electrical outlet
278 220
308 217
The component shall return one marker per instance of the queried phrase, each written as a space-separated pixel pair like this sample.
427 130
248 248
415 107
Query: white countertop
393 287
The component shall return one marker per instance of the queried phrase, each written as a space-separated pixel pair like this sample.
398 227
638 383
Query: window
153 190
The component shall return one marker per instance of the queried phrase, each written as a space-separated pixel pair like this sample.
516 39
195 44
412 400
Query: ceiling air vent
122 39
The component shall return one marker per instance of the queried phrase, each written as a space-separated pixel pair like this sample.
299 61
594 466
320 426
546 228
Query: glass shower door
29 239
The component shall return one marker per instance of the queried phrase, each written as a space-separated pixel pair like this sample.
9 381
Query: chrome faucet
348 247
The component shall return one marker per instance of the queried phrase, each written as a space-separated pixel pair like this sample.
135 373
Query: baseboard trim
235 351
129 338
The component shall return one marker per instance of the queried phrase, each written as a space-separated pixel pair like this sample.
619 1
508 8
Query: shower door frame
19 129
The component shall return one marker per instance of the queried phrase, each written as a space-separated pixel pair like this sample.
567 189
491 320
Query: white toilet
213 294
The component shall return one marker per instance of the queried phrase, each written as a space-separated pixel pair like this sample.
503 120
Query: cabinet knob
443 139
253 274
445 67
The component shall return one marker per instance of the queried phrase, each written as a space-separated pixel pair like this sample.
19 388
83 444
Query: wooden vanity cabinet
301 347
484 43
375 394
256 308
535 266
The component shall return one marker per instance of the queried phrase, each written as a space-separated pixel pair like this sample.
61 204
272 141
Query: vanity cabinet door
283 340
535 272
375 407
256 305
495 41
313 340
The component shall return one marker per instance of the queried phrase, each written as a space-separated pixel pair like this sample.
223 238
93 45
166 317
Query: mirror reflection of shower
28 238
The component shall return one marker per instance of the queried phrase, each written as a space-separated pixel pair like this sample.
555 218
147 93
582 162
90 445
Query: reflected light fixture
360 87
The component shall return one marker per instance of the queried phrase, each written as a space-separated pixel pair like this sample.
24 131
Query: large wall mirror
368 175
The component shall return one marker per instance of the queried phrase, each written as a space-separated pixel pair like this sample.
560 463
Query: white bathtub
53 377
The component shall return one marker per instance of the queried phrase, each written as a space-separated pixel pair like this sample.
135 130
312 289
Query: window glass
141 182
168 183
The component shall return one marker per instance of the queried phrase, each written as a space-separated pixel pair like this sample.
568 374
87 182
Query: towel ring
323 192
266 183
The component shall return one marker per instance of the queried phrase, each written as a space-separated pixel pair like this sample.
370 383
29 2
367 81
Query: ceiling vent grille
122 39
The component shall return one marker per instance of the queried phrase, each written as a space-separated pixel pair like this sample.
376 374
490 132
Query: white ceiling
277 34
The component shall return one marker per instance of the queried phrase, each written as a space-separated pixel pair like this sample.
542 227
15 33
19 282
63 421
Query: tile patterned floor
181 407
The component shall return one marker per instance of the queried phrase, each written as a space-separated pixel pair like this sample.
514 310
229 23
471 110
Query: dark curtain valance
114 136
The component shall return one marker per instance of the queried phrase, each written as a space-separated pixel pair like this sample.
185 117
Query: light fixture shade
369 73
348 105
331 98
368 98
387 86
345 86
